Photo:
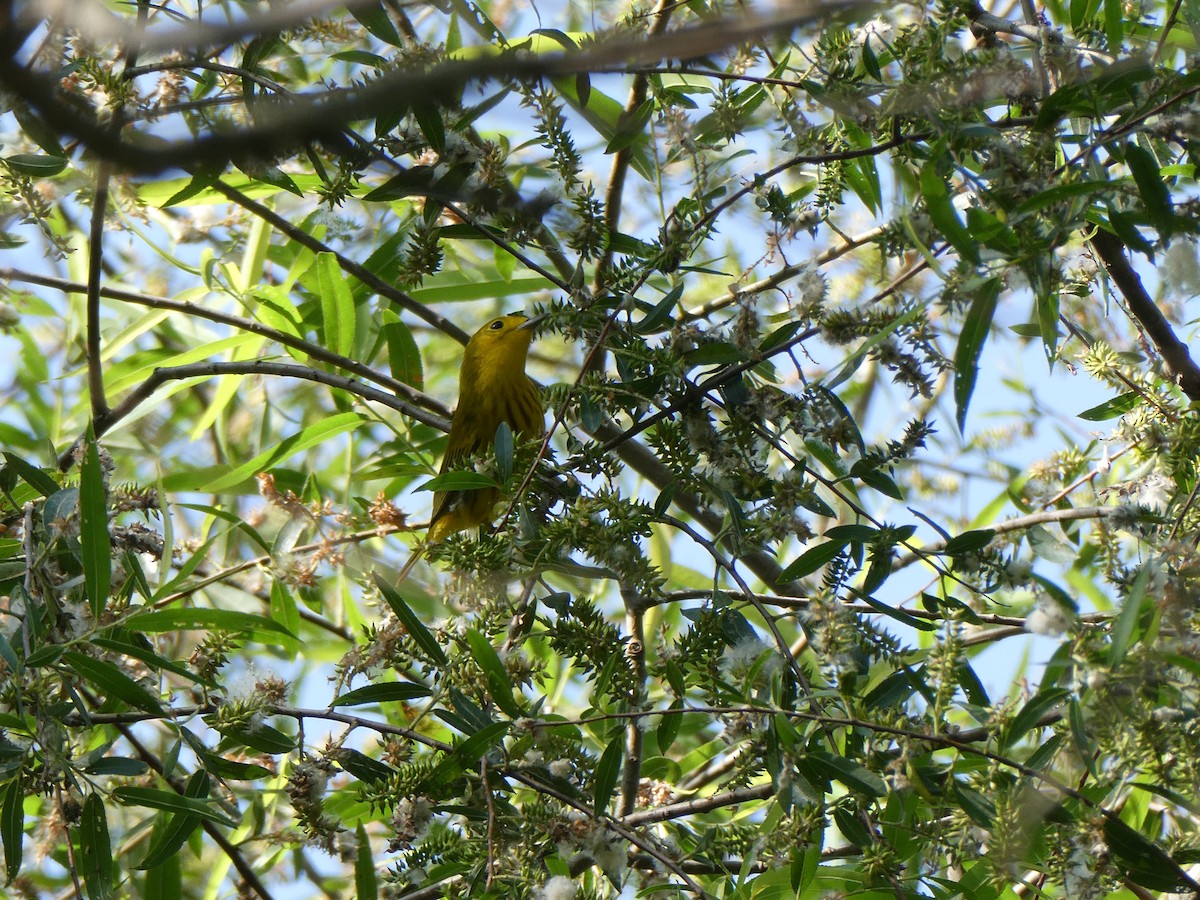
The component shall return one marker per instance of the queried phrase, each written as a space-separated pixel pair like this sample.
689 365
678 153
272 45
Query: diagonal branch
1181 368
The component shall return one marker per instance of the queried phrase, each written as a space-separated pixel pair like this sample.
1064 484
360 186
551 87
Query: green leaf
430 121
971 339
202 620
1155 196
969 681
659 315
366 885
668 727
1031 713
150 658
152 798
878 480
498 679
457 288
117 765
1110 409
1084 746
319 433
1061 193
467 752
337 306
935 188
10 656
363 767
1047 309
502 446
811 560
1125 630
630 127
396 692
412 625
898 614
258 736
851 774
970 541
12 827
93 528
112 682
1114 25
170 834
404 357
374 18
165 880
36 478
979 808
95 849
1145 862
852 828
36 165
608 770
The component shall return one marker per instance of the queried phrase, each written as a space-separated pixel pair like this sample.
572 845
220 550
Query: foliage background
806 267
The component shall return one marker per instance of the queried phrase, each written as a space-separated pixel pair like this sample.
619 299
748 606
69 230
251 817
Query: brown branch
161 376
320 116
1174 352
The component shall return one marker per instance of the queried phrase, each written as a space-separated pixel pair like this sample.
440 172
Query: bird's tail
413 559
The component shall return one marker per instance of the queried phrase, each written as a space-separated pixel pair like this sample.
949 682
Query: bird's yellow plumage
492 388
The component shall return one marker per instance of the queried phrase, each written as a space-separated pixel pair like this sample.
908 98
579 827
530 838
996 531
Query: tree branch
1174 352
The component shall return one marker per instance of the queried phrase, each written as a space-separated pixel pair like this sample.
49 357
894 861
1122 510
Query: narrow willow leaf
366 885
404 356
811 560
1155 196
202 620
95 849
398 692
171 833
429 119
12 827
659 315
458 481
152 798
1146 863
93 528
668 727
971 339
1031 713
497 676
851 774
503 448
411 622
318 433
337 305
112 682
260 737
970 541
1125 631
935 189
36 478
608 769
1110 409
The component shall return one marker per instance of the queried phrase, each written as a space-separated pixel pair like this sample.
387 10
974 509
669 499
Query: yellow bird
492 388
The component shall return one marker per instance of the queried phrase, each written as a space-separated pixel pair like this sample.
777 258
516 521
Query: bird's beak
529 324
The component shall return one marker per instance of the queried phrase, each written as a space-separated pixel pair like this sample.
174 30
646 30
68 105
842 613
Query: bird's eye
497 325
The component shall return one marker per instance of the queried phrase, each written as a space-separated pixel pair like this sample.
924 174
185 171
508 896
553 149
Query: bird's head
498 349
